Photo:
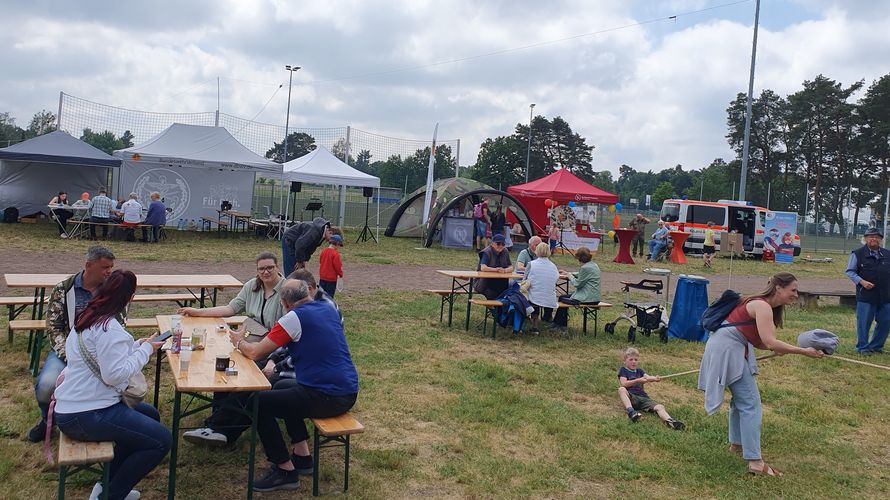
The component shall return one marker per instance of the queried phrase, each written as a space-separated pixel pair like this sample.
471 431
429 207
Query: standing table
679 239
625 236
202 377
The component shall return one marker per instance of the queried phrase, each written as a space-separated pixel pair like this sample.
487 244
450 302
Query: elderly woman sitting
541 274
587 286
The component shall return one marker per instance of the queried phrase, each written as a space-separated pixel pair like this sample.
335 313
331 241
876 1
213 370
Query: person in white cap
869 269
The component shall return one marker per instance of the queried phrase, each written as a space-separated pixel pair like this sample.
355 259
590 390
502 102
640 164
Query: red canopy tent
562 186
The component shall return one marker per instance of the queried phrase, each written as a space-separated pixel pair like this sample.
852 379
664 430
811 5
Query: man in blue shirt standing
869 269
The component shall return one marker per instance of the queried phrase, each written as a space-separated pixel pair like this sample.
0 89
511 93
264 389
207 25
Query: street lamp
291 70
528 153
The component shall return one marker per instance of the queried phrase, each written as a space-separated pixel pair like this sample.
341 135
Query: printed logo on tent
173 187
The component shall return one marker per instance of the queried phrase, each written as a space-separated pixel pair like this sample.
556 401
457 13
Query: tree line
816 150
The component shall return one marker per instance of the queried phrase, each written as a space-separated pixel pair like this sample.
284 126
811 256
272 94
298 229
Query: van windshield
670 212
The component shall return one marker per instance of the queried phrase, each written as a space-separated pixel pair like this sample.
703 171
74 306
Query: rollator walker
645 317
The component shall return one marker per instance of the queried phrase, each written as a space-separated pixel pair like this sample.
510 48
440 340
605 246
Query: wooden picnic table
202 377
462 282
214 282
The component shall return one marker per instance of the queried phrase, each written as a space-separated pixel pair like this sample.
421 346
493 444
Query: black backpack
713 317
11 215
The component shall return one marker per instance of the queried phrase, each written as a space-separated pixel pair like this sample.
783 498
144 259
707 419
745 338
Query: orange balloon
616 222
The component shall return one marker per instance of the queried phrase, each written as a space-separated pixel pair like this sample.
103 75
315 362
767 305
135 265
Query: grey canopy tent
35 170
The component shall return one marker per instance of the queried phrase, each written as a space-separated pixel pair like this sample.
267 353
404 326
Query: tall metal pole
806 207
748 106
769 188
291 70
528 153
457 160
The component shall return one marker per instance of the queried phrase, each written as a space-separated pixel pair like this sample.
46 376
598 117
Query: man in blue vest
869 269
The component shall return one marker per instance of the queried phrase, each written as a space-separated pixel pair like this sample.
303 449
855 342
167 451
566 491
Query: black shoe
38 432
303 465
675 424
278 479
635 416
534 331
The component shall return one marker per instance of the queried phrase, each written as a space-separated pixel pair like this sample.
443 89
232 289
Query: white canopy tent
322 167
194 168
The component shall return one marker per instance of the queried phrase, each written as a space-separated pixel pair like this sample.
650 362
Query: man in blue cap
494 259
869 269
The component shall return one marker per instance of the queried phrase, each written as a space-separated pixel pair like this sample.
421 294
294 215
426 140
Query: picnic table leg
215 290
494 325
454 288
254 414
469 297
584 312
201 300
158 377
171 475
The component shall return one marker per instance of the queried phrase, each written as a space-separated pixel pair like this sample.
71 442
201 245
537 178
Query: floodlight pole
291 70
528 153
747 139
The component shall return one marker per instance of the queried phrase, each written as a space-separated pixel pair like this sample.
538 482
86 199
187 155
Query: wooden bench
181 299
490 306
210 221
589 310
14 307
328 432
810 300
83 456
448 297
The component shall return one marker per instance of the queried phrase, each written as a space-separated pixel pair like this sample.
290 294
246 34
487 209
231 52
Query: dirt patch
360 277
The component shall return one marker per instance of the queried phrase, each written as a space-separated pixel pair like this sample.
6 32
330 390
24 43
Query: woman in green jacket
587 287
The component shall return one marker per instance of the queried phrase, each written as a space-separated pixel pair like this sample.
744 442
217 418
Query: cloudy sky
647 90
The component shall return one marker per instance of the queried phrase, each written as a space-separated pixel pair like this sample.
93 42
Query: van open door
742 220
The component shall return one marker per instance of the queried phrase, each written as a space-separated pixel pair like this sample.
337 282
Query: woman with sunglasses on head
258 299
90 408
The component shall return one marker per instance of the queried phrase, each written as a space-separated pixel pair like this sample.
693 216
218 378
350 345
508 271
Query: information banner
780 229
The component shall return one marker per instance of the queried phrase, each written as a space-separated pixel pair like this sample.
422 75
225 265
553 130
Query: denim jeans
745 415
287 256
655 247
866 314
140 440
45 384
292 403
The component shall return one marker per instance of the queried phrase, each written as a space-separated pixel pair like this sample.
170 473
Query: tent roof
563 186
321 167
58 147
200 147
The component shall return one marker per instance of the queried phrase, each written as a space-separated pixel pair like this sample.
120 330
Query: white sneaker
97 491
63 236
205 436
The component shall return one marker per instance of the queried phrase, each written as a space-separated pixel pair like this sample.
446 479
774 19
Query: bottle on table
185 354
176 328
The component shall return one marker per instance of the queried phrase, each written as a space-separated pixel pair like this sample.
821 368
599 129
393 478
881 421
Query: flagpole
428 195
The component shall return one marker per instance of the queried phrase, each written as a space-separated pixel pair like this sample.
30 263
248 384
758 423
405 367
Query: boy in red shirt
330 266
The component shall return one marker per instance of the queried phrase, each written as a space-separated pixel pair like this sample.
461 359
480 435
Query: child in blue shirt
631 379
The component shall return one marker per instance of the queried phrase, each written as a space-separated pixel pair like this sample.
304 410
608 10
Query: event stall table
625 236
202 377
679 239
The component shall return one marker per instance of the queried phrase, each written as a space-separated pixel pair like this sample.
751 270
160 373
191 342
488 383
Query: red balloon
554 203
548 203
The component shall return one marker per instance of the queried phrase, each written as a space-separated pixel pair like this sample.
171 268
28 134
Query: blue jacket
513 313
157 214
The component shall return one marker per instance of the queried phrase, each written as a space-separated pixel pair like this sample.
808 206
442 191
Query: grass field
450 413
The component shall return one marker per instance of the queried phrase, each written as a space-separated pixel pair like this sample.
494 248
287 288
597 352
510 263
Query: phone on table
164 336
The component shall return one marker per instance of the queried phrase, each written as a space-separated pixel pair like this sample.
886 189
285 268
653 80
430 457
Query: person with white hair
131 212
527 255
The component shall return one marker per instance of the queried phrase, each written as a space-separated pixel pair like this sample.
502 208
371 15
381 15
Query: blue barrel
690 301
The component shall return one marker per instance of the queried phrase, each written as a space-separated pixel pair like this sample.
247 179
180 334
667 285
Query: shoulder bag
137 386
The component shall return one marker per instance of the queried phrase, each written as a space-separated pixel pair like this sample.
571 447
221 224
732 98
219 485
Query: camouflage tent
456 197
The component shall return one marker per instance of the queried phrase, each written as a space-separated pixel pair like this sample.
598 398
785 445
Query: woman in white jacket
542 274
89 407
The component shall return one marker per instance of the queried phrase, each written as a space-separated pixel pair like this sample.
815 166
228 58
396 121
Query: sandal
765 471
